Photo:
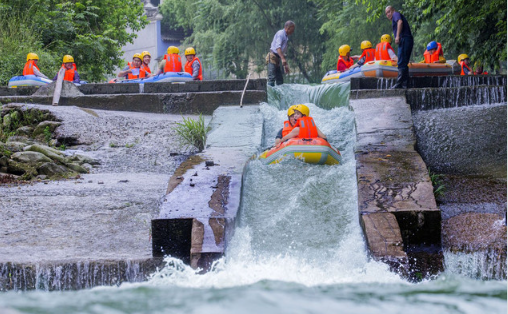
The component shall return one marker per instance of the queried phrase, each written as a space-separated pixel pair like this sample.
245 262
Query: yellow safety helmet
386 39
462 57
291 110
137 55
366 44
145 53
173 49
68 59
303 109
32 56
190 51
343 50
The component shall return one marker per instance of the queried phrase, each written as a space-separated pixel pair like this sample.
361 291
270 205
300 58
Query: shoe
400 79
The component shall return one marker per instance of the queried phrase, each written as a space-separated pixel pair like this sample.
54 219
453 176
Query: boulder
25 130
47 151
21 139
6 122
39 129
77 168
26 171
14 146
31 158
80 159
68 90
51 169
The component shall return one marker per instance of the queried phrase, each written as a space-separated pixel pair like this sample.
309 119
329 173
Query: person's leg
403 69
408 49
279 76
272 68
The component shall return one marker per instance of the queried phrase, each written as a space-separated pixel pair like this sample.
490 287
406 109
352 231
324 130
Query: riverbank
106 213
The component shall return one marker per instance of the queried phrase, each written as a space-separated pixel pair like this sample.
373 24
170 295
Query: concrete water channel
403 224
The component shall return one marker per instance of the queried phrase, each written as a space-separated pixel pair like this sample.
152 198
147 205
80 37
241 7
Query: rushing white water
297 248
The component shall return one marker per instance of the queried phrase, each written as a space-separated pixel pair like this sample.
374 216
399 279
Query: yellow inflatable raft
310 150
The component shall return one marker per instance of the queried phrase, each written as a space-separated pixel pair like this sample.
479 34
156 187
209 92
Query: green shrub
192 132
437 183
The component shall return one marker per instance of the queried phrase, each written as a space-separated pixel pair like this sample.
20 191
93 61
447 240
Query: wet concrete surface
102 215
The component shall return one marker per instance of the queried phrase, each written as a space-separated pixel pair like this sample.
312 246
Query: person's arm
441 60
55 78
399 30
392 54
278 137
293 133
283 60
162 65
124 72
76 77
195 70
320 134
39 74
360 62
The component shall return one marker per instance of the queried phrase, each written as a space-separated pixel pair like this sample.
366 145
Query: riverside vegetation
27 147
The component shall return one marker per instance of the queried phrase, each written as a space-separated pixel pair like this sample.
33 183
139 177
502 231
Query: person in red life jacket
289 124
132 70
384 50
145 64
305 126
172 62
31 67
368 54
193 64
433 53
345 60
464 64
71 74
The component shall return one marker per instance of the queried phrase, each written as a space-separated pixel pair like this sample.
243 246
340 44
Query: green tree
92 31
235 35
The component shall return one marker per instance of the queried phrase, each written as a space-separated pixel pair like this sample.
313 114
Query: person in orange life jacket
31 67
434 53
193 64
367 54
345 60
384 50
132 70
145 63
172 62
289 124
464 64
71 74
305 126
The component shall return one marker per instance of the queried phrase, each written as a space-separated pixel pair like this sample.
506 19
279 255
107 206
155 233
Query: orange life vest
287 128
431 58
173 63
348 64
141 74
382 51
188 68
69 75
28 69
307 127
144 70
462 66
369 54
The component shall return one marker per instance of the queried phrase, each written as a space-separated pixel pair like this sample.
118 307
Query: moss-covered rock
31 158
47 151
51 125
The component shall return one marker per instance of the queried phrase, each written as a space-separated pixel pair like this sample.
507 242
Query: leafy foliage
92 31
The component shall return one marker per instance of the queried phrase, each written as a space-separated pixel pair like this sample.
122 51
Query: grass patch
192 133
437 183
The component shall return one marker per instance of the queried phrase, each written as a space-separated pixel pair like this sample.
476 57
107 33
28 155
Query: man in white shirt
277 55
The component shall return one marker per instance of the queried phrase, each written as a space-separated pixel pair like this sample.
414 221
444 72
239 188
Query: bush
192 132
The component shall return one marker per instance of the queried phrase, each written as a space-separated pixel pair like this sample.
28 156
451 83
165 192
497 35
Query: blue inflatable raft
28 80
164 77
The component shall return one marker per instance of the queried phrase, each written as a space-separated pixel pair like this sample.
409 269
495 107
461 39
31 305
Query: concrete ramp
198 212
398 212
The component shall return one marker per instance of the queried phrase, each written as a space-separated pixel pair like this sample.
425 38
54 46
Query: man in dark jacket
404 39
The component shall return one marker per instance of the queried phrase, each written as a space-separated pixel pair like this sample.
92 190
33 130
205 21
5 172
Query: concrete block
383 235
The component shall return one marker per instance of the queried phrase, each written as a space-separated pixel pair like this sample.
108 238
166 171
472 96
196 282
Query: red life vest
141 74
347 64
287 128
307 127
173 63
28 69
382 51
69 75
369 54
188 68
462 66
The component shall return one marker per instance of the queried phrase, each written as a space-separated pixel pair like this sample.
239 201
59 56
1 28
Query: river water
297 248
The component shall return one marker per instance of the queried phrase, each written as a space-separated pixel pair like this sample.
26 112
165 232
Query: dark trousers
404 54
275 74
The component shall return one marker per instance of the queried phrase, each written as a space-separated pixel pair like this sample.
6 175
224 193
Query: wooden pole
243 93
58 86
